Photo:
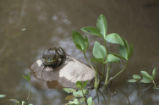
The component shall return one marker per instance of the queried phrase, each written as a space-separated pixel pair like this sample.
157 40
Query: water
27 27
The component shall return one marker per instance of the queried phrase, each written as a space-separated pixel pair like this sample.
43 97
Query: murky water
29 26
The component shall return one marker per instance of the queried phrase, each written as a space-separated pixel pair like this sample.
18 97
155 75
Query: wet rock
66 75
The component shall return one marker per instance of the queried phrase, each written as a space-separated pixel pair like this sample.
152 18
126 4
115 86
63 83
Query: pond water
27 27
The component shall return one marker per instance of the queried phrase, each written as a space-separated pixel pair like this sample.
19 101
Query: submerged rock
66 75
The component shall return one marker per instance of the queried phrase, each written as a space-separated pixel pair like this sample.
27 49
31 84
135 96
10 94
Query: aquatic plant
101 53
145 78
80 95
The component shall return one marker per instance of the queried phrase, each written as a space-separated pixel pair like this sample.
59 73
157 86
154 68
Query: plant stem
107 76
117 74
85 98
154 84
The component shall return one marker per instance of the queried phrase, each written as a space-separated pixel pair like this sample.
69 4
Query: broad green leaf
123 52
74 102
146 75
136 77
99 51
80 41
112 58
145 80
79 93
89 101
154 72
115 39
92 31
126 50
27 77
132 80
23 102
2 95
81 84
102 25
69 90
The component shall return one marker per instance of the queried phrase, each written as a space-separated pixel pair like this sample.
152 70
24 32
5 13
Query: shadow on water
30 26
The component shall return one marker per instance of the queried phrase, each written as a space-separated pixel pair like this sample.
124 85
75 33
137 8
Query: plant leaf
126 50
74 102
69 90
102 25
145 80
154 72
112 58
136 77
2 95
115 39
91 30
27 77
146 75
79 93
132 80
81 84
99 51
89 100
80 41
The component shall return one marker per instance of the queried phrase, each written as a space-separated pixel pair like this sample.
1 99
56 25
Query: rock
66 75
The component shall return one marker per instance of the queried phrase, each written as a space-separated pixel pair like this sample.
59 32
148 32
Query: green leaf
74 102
69 90
146 75
136 77
154 72
89 101
132 80
91 30
112 58
126 50
99 51
27 77
79 93
80 41
81 84
102 25
145 80
115 39
2 95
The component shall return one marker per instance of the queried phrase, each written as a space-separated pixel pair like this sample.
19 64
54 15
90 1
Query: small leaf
102 25
146 75
15 101
80 41
123 52
154 72
92 31
74 102
69 90
79 93
115 39
2 95
81 84
136 77
99 51
126 50
132 80
145 80
112 58
89 101
27 77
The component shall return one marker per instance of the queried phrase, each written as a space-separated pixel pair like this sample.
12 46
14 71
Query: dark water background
29 26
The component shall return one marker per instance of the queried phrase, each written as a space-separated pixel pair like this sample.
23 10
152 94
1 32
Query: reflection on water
29 26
